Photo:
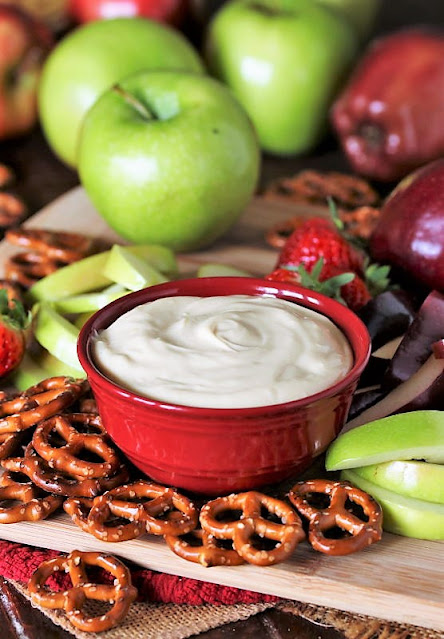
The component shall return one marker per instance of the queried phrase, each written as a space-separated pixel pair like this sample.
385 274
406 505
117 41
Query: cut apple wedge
417 435
213 269
418 391
80 277
88 302
28 373
419 480
87 275
57 335
131 271
54 367
403 515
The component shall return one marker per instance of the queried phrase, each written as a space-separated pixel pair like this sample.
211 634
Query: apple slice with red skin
407 436
403 515
423 390
416 346
387 315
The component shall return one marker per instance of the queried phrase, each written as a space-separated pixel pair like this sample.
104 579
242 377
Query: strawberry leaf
13 311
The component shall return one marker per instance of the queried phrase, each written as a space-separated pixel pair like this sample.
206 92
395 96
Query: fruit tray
398 579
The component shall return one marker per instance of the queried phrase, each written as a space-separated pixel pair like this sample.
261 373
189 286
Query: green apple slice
81 319
416 435
87 302
131 271
212 269
87 275
403 515
57 335
55 367
28 373
80 277
420 480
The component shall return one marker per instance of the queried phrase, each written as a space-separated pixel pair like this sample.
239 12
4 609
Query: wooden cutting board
398 579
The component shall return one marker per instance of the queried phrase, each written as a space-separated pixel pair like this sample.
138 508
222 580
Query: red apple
24 43
171 11
410 231
389 116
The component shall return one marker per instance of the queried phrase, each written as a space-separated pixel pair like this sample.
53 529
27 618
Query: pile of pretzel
356 200
54 451
44 252
56 438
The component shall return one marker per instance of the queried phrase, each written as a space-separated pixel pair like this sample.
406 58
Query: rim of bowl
346 320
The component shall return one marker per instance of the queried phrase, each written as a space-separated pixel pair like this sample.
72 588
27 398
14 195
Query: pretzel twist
148 507
9 444
121 594
65 458
39 402
314 187
62 483
28 267
286 534
201 547
33 506
12 209
56 245
358 533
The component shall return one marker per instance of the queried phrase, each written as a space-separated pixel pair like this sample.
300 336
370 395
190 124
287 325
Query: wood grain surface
398 579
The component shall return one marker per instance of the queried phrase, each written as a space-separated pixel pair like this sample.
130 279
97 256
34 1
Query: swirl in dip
233 351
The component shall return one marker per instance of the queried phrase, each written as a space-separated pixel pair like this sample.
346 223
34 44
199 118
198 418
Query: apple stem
139 106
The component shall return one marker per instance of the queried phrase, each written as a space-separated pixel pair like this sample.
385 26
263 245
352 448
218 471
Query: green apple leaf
403 515
415 435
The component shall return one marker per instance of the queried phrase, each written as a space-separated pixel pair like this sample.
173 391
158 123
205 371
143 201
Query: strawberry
13 322
318 237
345 287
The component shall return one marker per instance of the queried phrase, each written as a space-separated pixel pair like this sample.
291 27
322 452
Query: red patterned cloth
18 562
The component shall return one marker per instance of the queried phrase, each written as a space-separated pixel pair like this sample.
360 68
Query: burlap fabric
171 621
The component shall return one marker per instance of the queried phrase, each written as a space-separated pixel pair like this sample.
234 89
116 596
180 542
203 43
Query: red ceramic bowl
218 450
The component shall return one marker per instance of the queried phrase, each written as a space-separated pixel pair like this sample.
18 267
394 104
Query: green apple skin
403 515
284 61
416 435
420 480
361 14
179 176
90 60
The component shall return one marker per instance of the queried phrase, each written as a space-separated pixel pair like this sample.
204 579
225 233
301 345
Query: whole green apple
169 158
284 61
94 57
360 13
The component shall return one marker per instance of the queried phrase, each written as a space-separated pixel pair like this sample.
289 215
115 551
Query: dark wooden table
40 179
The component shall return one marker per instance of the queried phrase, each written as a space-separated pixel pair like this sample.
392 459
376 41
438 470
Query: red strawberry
318 237
13 321
346 287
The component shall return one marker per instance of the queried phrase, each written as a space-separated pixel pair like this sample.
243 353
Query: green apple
420 480
284 61
416 435
57 335
87 302
360 13
170 158
91 59
403 515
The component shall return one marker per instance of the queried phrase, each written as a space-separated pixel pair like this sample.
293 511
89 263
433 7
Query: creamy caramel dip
232 351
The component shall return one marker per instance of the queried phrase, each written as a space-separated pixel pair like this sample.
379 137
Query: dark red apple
389 116
24 43
171 11
410 231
